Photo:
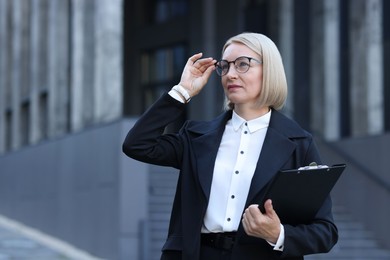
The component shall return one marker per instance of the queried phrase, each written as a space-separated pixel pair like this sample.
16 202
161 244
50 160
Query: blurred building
76 74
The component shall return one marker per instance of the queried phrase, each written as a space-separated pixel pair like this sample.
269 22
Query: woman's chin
235 99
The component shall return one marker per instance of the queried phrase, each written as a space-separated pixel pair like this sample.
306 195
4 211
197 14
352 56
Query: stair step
355 242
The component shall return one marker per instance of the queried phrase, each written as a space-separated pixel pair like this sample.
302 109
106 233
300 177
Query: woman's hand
265 226
196 73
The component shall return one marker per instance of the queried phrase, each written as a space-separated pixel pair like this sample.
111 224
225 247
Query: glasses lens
242 64
222 67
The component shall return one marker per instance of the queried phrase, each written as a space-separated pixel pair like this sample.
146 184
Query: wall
81 189
60 68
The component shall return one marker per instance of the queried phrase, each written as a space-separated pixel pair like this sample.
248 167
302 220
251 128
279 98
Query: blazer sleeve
146 140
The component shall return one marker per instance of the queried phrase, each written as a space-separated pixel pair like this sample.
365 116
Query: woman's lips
233 87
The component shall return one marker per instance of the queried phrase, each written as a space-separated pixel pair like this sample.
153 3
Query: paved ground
19 242
14 245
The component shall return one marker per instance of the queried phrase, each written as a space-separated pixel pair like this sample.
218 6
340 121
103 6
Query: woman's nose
232 72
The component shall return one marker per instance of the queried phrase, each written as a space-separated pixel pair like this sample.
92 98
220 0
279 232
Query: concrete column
108 63
358 68
16 73
77 44
366 67
24 23
58 62
35 132
331 56
374 66
83 63
316 77
3 70
286 48
43 98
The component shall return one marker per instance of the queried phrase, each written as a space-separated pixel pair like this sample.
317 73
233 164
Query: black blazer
193 150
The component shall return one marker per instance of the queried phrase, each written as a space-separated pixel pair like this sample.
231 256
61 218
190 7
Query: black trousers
206 253
215 246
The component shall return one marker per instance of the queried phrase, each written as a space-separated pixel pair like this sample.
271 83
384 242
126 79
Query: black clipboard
298 194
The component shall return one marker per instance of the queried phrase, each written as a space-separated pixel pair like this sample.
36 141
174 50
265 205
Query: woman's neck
250 113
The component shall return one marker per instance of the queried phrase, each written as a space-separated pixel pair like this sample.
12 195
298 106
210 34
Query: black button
233 197
246 123
236 172
245 132
242 152
228 219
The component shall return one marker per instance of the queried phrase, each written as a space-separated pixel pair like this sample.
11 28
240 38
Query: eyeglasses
241 64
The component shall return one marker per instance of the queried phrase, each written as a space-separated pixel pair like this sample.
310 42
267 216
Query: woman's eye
243 64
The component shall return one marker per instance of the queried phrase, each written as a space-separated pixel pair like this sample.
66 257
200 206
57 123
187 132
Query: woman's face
242 88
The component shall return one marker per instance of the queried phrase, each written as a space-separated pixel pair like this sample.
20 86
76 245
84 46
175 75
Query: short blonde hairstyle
274 85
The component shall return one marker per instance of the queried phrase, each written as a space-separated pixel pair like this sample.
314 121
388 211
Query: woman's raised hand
196 73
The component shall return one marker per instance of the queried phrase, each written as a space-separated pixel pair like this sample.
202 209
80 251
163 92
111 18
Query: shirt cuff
176 96
182 93
279 246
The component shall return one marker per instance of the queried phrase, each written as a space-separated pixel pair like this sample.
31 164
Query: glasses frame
218 68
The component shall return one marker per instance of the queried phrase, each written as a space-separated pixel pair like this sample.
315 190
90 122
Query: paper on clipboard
298 194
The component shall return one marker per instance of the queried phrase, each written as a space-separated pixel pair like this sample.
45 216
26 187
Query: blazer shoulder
287 126
203 127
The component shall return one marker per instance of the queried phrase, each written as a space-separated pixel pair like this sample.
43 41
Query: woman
226 164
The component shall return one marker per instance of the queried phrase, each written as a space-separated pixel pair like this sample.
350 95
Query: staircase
355 242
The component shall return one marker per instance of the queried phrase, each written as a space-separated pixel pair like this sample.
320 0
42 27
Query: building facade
89 68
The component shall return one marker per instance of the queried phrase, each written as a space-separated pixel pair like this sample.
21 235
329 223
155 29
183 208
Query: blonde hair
274 85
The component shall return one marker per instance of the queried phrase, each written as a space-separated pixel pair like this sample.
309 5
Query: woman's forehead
235 50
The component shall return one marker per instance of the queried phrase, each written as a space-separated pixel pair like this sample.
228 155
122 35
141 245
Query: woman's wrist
182 92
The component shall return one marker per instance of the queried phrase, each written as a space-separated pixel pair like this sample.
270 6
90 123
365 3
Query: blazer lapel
205 148
277 149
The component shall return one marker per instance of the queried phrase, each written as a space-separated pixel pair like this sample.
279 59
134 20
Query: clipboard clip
312 166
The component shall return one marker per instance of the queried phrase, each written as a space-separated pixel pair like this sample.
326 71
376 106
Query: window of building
8 130
301 66
165 10
345 110
43 114
386 62
24 124
160 70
